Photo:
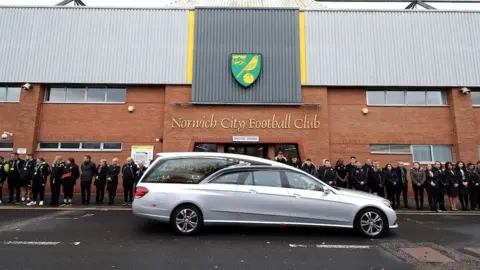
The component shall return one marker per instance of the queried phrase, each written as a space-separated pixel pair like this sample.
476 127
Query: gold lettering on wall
274 122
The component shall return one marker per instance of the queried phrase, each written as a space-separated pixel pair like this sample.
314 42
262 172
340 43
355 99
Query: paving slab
428 255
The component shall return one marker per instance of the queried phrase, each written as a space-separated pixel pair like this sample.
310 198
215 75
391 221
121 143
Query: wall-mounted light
5 135
26 87
365 111
131 109
465 90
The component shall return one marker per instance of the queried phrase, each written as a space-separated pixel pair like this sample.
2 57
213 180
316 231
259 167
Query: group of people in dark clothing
457 180
27 179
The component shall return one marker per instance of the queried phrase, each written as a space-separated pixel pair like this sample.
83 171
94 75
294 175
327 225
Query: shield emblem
246 67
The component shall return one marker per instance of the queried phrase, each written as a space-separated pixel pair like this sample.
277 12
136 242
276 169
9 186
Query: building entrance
255 150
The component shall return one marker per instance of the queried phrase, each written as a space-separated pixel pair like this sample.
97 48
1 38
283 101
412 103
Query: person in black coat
378 181
39 180
309 167
281 158
442 186
56 179
360 177
101 181
26 177
13 177
432 186
112 180
369 174
71 173
463 180
140 171
327 174
294 162
3 177
88 170
403 182
453 185
350 168
341 174
129 173
474 186
392 185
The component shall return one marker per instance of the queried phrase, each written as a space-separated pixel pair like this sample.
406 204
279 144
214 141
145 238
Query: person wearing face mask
432 186
101 175
112 180
453 185
39 180
27 178
281 158
309 167
360 177
392 185
350 169
442 186
56 179
14 177
295 163
463 180
341 174
474 187
88 170
403 182
378 181
327 174
369 174
71 173
418 178
129 173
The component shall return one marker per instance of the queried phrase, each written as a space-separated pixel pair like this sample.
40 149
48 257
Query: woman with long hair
418 178
432 185
474 186
71 173
452 181
464 184
40 174
442 186
378 183
393 186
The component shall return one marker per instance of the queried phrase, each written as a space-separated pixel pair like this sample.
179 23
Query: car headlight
387 203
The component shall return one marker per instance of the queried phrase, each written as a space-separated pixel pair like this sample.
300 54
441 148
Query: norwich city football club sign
246 67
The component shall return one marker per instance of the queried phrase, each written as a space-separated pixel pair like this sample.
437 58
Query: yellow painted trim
303 49
191 37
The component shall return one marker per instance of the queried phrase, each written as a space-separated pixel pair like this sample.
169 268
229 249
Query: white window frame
80 149
47 93
6 94
405 104
7 149
431 153
389 149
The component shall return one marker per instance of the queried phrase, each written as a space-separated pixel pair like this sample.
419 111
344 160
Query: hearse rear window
187 170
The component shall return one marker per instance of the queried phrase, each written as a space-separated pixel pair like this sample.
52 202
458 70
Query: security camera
4 136
465 91
26 87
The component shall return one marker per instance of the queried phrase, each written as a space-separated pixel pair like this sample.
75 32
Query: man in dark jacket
327 174
14 175
281 158
350 169
309 167
129 171
27 178
403 181
3 177
88 170
369 174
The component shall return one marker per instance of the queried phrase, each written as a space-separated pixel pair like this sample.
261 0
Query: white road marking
16 226
32 243
75 218
332 246
76 243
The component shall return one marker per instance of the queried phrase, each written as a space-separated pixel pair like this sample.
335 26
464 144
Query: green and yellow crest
246 67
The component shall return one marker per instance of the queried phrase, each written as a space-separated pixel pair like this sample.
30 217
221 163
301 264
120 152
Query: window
85 95
300 181
6 146
475 96
267 178
390 149
432 153
9 94
205 147
79 146
186 170
229 178
289 151
412 97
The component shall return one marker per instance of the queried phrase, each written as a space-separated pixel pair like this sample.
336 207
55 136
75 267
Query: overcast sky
160 3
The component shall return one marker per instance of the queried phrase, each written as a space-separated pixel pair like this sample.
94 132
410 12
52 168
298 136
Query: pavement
112 238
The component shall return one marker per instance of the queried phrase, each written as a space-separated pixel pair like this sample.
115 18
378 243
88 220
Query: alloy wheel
186 220
371 223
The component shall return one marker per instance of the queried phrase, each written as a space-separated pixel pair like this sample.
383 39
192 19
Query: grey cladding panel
221 32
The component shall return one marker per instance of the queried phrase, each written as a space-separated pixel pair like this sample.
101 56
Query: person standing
295 163
350 169
56 179
368 169
392 184
3 177
309 167
281 158
432 186
452 181
71 173
464 184
378 181
341 173
140 171
39 180
112 180
403 182
418 178
26 178
14 178
129 172
101 181
360 177
327 174
442 186
474 187
88 170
